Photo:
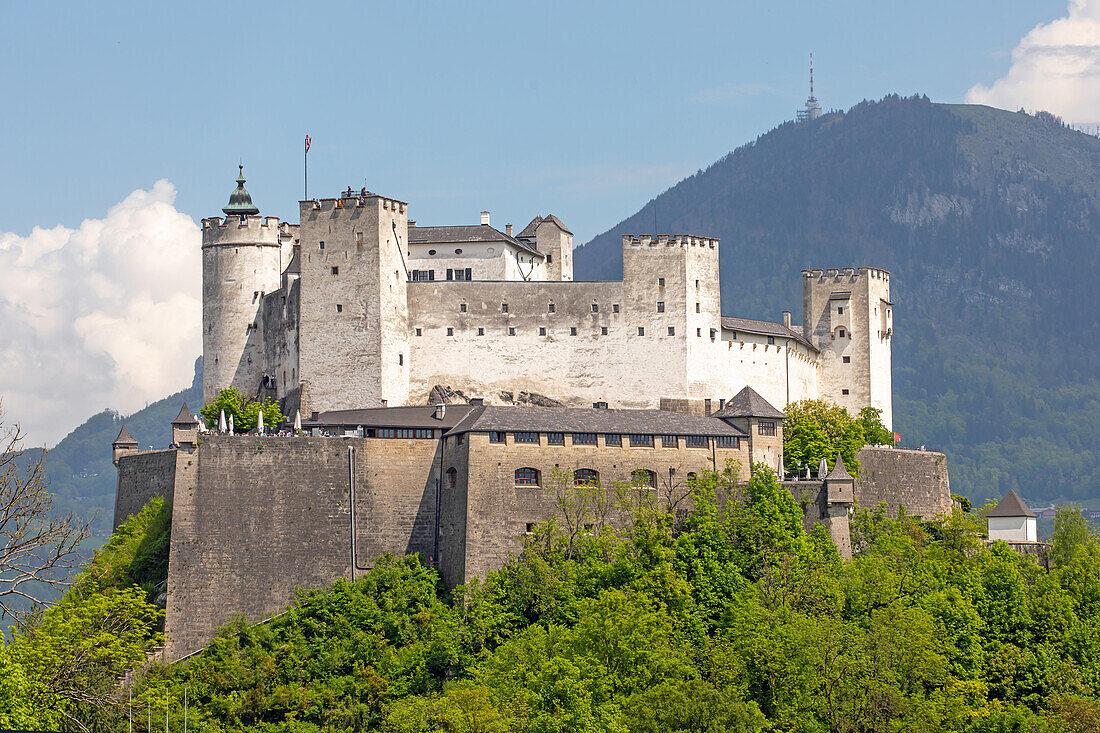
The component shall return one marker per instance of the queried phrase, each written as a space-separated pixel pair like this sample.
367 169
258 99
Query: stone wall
485 517
143 474
267 515
914 479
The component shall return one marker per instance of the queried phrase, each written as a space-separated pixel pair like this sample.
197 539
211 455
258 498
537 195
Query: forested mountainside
79 468
989 221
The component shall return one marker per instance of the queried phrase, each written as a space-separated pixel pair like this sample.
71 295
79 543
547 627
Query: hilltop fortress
452 382
358 307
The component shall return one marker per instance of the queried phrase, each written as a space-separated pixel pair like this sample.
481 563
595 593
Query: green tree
815 429
1071 534
245 411
874 432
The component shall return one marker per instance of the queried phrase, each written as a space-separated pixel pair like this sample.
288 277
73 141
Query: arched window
586 477
643 477
452 477
527 477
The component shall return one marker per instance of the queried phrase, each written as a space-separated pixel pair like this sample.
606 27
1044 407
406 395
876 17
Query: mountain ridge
988 220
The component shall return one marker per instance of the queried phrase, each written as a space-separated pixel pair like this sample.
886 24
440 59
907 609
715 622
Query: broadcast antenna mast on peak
812 110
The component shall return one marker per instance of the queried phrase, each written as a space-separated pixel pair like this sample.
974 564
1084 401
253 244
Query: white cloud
1055 67
105 315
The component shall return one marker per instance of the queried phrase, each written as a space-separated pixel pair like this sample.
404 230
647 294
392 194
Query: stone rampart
267 515
141 476
914 479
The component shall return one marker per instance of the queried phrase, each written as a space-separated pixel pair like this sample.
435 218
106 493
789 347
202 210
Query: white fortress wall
486 260
620 367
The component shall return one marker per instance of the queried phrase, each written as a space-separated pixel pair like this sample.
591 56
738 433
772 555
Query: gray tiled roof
185 417
124 438
591 420
839 472
530 229
464 233
767 328
749 403
391 417
295 266
1011 506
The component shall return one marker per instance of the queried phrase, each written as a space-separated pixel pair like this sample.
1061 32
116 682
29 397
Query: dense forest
989 221
725 617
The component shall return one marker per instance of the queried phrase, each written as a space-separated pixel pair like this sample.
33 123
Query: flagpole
305 170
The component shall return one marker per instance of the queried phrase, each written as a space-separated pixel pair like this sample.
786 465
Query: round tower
240 264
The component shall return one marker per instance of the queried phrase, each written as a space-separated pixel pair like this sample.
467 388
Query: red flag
307 143
897 438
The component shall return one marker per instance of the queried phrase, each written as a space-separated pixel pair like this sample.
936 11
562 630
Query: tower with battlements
849 317
241 262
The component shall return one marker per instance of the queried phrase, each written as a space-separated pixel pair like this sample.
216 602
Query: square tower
353 324
847 314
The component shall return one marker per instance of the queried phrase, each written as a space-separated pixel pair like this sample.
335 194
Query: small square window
603 330
495 436
335 270
419 332
771 339
549 307
450 332
660 282
572 331
322 245
641 330
847 360
671 330
660 306
669 441
844 391
555 438
549 259
613 439
511 330
542 330
461 307
699 332
615 308
595 307
697 308
842 333
840 310
481 332
400 359
696 284
530 527
339 308
503 307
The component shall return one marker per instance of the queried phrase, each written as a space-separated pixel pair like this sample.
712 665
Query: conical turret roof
240 201
185 417
839 472
749 403
124 438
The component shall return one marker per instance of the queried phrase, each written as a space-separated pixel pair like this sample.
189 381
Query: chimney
477 401
485 218
440 411
508 229
787 319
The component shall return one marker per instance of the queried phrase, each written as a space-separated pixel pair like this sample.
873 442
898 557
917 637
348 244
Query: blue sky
584 109
121 127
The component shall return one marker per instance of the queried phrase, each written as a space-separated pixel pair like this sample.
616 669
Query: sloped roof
185 417
1011 506
295 265
530 229
415 416
839 472
591 420
749 403
124 437
463 234
767 328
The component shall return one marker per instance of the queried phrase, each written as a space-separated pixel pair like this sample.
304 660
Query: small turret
840 490
185 429
122 445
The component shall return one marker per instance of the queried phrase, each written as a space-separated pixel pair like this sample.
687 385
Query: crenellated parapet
234 230
875 273
682 241
355 200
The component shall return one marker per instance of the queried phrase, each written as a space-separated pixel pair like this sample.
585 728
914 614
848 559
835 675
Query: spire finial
240 202
811 74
